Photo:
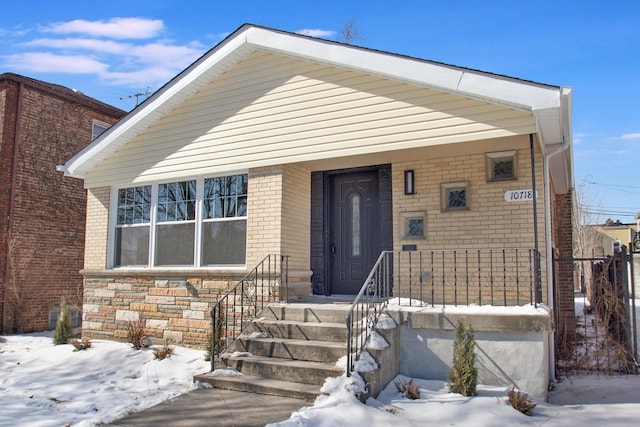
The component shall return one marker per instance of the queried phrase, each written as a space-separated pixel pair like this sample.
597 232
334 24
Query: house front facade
276 143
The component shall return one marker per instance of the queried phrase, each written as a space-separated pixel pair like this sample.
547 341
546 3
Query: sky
122 51
44 385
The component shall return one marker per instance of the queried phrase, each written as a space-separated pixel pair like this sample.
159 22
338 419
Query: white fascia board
167 98
513 93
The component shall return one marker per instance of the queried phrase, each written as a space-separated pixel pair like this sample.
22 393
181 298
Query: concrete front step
312 313
283 348
292 329
260 385
299 371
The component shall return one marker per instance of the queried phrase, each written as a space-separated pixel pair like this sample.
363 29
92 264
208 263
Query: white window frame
113 223
95 123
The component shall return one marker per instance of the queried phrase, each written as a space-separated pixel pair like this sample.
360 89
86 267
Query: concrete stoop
296 352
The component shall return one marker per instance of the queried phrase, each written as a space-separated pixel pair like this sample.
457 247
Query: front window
176 224
182 224
224 220
132 226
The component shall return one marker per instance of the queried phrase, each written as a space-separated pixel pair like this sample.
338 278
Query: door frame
320 221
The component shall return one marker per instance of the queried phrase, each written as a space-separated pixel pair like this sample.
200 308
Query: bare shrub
408 389
521 401
137 335
163 351
82 344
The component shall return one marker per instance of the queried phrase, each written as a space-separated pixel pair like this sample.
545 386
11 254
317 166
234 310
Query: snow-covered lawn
46 385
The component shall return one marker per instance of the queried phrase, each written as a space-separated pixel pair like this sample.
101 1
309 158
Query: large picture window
193 223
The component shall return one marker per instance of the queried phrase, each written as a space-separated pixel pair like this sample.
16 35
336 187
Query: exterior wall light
409 187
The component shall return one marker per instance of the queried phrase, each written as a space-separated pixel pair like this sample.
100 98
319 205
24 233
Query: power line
616 187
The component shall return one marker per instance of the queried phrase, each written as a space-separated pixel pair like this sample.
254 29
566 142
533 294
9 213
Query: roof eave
513 93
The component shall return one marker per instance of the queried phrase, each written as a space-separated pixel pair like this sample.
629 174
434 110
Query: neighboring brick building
42 213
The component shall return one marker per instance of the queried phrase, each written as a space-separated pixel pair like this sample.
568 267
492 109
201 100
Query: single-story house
274 142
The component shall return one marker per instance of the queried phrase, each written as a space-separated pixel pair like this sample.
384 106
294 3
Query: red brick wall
8 104
564 286
48 209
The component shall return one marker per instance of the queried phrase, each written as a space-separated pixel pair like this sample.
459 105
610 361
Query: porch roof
549 105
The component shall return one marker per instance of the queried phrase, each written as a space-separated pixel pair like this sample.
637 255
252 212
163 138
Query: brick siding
48 222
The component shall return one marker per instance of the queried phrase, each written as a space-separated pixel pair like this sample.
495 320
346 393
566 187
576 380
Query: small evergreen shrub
163 351
137 335
463 376
408 389
64 330
207 348
220 325
521 401
82 344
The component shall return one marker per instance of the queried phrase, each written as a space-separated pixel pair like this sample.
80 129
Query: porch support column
538 279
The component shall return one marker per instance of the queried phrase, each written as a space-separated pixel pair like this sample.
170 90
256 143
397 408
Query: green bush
463 376
64 330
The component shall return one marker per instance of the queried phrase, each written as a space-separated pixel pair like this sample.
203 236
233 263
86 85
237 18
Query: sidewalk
216 407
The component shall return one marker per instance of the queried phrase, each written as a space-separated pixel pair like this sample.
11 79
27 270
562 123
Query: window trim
444 193
499 155
153 223
106 127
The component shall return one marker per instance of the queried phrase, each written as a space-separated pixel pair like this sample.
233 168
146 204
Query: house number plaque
519 195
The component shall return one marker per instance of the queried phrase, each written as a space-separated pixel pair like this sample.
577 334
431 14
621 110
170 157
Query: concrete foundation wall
511 350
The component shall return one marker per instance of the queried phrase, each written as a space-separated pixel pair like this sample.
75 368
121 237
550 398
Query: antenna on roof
137 96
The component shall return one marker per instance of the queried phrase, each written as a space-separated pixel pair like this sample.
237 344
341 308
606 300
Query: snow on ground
438 407
46 385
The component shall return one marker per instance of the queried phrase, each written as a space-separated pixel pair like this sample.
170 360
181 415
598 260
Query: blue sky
122 48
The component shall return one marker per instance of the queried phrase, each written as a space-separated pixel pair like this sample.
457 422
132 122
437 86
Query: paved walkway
216 407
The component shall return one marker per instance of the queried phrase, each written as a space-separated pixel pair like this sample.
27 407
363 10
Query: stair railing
267 282
367 307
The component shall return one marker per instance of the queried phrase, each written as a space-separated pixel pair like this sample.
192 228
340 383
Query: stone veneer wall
171 310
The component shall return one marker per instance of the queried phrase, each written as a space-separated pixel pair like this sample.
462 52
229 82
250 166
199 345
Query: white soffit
542 100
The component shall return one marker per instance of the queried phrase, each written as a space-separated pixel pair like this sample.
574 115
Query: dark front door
354 226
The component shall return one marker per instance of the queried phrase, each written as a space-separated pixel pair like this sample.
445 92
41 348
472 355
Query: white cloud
630 136
107 46
112 50
314 32
52 63
116 28
149 76
180 56
158 53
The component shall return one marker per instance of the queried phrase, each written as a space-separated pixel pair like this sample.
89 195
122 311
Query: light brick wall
490 223
95 251
264 213
296 217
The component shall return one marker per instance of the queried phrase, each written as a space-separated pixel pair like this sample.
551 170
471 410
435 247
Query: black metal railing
267 282
367 307
504 277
